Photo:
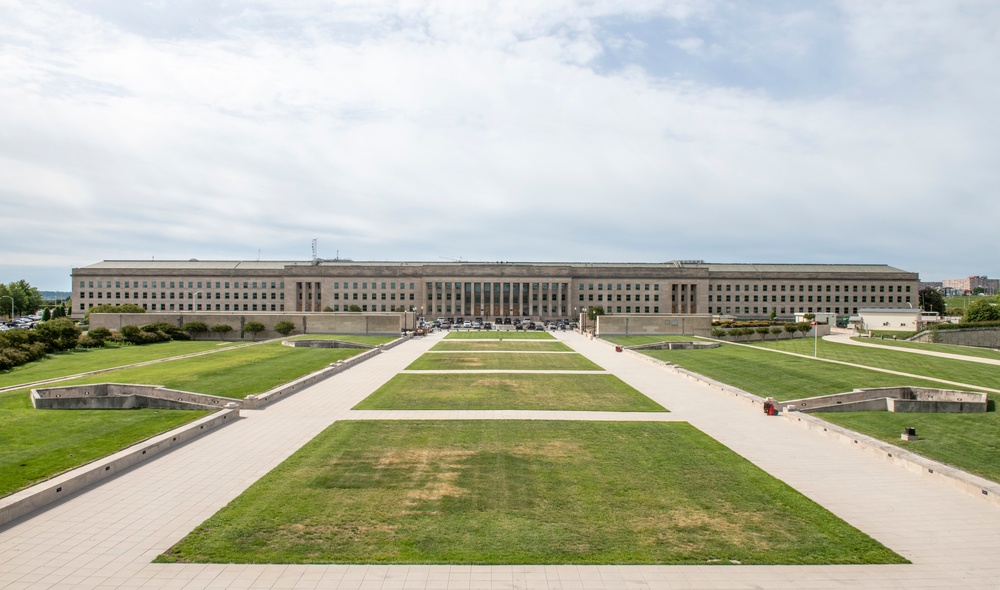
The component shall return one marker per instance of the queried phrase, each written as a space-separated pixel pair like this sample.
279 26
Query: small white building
900 320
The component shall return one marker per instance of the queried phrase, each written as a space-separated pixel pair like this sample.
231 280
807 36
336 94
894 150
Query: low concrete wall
324 344
892 399
675 346
53 490
125 396
305 323
644 324
977 337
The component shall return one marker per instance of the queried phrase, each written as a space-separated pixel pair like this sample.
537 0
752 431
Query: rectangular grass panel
601 392
503 361
501 345
522 492
499 335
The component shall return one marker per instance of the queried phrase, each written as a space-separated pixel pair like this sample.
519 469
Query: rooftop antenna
258 254
315 245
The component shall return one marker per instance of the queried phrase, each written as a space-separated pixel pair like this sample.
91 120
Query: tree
777 330
593 312
981 310
46 315
221 330
718 333
253 328
763 331
804 327
773 315
354 308
978 290
26 299
327 308
792 329
931 300
284 328
195 328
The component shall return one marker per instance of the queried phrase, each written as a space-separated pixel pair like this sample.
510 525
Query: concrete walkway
107 536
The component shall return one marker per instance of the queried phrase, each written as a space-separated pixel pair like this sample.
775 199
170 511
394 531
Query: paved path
107 536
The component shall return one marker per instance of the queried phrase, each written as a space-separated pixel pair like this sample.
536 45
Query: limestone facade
537 290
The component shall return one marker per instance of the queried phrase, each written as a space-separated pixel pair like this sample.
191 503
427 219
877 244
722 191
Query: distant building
969 284
494 289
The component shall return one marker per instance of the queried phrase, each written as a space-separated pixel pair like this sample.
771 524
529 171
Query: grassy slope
83 360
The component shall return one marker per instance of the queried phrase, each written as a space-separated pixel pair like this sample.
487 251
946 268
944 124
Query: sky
860 132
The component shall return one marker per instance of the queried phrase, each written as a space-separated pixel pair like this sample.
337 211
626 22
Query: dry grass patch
503 361
522 492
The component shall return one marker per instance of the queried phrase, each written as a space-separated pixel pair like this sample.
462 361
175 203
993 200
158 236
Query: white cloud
476 129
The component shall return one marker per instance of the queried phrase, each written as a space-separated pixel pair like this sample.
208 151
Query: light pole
11 305
195 295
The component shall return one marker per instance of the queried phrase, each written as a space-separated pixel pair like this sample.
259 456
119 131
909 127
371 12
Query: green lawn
83 360
986 353
38 444
359 338
503 361
500 335
598 392
522 492
968 441
971 372
48 442
233 373
780 376
512 345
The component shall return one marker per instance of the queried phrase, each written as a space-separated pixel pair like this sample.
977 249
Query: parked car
487 326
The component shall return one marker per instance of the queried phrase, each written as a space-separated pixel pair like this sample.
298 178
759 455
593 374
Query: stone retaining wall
125 396
976 337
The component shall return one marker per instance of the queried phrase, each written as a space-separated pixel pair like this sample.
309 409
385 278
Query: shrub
195 328
99 334
88 341
284 328
221 329
253 328
60 334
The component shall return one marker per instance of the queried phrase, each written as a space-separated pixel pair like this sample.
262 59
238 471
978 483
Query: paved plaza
107 536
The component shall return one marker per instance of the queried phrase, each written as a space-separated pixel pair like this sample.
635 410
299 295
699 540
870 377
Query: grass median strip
511 361
412 391
522 492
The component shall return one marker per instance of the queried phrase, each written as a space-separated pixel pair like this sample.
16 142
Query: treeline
18 347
